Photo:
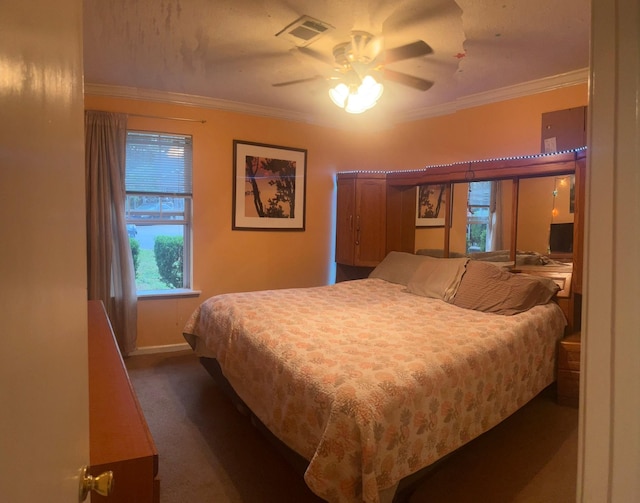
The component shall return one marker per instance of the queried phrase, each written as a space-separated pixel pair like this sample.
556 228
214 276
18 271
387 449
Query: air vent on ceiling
304 31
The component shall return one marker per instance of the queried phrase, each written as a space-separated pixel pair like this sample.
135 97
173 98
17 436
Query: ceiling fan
365 55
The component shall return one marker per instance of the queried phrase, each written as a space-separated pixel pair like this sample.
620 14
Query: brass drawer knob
102 484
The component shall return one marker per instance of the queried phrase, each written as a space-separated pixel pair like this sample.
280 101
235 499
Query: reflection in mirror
481 219
431 207
545 209
430 241
481 215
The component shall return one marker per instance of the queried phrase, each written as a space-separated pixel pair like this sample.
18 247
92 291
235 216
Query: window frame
186 222
475 220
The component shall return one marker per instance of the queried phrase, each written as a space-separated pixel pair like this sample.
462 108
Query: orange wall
228 261
508 128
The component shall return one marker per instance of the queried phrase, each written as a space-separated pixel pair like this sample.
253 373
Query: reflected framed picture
269 187
431 205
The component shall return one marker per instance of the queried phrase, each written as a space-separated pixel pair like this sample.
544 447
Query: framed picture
431 205
269 187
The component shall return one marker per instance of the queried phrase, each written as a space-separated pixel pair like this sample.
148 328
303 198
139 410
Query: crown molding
505 93
193 100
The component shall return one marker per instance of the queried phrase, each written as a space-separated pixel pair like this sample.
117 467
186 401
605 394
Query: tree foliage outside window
168 253
476 238
134 244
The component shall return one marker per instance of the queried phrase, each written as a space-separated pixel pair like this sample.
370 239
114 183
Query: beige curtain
111 277
495 229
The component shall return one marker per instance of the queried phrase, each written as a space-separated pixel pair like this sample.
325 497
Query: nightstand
569 370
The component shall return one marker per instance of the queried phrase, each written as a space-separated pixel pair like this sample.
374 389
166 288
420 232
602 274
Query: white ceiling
226 51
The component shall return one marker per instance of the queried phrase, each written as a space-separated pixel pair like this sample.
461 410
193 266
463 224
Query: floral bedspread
371 383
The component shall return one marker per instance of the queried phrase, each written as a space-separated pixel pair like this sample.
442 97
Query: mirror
545 215
431 208
481 221
482 216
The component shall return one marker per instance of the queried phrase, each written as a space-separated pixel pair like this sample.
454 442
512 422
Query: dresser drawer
569 370
568 360
568 382
569 353
568 387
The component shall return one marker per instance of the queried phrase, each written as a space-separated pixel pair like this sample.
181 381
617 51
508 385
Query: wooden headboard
401 207
376 212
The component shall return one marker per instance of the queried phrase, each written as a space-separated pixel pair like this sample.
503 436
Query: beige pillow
398 267
485 287
438 278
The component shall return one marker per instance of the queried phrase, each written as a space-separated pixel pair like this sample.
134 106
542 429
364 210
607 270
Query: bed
374 379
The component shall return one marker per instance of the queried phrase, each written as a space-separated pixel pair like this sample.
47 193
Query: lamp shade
356 100
339 94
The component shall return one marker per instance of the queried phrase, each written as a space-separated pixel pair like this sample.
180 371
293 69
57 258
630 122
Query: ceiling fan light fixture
356 100
339 94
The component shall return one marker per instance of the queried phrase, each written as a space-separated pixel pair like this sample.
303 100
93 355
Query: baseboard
169 348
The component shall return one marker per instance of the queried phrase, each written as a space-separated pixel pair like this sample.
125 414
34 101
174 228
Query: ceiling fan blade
408 51
407 80
298 81
317 55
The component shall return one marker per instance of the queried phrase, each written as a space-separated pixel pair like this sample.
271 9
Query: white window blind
159 163
479 194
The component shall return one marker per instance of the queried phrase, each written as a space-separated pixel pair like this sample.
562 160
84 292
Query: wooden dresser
119 439
569 370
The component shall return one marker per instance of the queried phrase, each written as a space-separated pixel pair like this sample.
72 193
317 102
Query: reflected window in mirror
478 201
481 217
485 226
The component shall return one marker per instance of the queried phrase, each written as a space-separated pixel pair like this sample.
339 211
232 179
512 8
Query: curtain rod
169 118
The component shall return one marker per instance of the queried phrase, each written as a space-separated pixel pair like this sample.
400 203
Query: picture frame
269 187
431 205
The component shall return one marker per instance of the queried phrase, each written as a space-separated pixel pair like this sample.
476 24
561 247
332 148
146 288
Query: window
478 206
158 209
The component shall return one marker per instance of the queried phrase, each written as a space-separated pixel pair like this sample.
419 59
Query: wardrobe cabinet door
361 219
370 222
345 218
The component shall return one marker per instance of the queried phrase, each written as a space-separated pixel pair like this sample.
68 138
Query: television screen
561 238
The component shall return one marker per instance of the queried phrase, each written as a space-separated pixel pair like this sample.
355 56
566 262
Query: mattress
370 383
